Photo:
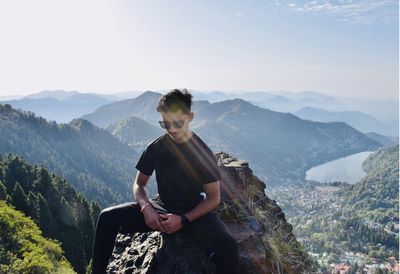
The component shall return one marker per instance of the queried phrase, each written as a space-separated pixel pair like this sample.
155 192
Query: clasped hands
168 223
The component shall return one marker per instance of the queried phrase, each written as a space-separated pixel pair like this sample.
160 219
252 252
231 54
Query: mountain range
281 145
94 161
372 115
385 113
96 152
60 106
359 120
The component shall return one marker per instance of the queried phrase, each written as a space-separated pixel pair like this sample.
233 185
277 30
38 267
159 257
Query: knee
106 216
227 242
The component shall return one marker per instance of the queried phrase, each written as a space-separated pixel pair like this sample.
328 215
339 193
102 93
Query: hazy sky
340 47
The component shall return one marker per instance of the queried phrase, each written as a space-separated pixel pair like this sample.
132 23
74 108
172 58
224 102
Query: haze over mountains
366 115
142 107
384 113
60 106
281 146
363 122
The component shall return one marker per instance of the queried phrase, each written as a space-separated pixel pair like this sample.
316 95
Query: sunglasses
176 124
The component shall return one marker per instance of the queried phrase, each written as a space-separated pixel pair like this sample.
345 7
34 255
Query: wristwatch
184 219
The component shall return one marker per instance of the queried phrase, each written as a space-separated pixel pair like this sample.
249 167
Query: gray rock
158 253
265 239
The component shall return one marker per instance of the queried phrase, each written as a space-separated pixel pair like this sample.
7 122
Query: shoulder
202 144
155 143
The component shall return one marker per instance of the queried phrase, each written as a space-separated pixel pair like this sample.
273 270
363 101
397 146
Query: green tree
46 219
3 191
23 249
55 206
33 205
19 199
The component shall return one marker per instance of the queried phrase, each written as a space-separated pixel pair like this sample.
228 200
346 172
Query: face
177 133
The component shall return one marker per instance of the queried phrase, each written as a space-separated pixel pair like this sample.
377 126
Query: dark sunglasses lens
167 125
179 124
164 124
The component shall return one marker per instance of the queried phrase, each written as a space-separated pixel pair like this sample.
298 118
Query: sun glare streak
203 160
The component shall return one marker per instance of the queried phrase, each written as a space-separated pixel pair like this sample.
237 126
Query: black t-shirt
181 169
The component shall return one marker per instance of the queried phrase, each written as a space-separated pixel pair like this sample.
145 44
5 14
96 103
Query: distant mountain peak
239 103
239 100
235 101
203 101
81 124
149 93
58 94
82 96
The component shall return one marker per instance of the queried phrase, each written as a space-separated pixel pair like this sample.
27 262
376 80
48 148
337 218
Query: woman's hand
152 218
172 222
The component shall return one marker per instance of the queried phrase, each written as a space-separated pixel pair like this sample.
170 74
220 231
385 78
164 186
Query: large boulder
265 239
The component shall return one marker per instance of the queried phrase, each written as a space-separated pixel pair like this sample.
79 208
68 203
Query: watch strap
184 219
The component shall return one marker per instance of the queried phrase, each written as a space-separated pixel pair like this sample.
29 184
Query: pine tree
72 236
85 223
8 178
3 191
19 199
95 212
45 218
17 168
33 205
44 183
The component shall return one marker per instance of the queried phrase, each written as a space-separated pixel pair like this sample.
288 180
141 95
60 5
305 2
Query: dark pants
208 232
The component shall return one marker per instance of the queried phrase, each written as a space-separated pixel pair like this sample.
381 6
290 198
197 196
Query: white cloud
357 11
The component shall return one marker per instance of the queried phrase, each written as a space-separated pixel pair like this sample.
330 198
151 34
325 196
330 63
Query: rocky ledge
265 238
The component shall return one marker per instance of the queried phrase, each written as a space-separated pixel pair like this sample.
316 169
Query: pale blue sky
337 47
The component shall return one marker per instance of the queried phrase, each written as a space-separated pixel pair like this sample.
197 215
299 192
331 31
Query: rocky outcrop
265 238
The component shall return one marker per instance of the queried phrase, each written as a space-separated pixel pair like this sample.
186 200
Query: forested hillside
91 159
54 205
375 197
135 132
23 249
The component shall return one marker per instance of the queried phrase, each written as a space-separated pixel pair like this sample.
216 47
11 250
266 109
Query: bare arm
152 218
139 188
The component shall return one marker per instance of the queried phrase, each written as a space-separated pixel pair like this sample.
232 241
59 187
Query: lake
343 169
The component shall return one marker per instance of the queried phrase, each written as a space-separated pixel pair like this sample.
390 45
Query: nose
173 130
